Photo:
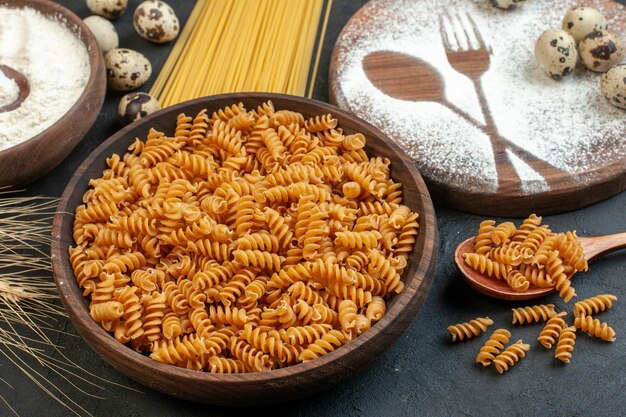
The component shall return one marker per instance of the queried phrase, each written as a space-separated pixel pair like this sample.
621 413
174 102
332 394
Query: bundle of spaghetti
244 45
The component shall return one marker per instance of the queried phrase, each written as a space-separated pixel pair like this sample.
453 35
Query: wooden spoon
22 83
593 247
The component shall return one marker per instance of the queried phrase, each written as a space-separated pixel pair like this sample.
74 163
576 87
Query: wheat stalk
29 309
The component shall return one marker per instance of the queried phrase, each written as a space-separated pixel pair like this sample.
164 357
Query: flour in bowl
54 61
9 91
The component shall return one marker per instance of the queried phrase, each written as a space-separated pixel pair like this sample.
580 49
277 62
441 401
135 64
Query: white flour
564 123
54 61
9 90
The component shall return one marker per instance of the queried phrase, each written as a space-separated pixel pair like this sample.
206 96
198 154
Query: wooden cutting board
455 84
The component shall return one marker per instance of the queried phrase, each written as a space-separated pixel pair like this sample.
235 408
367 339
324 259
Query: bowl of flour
52 85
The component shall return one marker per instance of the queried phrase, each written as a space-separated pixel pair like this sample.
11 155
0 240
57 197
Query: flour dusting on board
563 123
53 60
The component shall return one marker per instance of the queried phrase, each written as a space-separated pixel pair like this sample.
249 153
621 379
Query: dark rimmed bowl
261 387
35 157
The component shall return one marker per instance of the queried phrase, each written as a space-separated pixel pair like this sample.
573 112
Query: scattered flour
54 61
568 124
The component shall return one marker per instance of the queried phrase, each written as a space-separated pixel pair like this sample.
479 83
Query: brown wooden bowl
261 387
38 155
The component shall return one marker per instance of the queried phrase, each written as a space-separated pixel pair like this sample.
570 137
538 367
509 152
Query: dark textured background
423 374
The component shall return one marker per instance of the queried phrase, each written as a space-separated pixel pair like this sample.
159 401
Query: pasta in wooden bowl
244 233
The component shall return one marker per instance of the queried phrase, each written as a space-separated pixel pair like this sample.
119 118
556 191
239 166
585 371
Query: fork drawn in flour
422 82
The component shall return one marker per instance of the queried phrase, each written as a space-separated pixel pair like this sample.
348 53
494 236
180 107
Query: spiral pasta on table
552 330
493 347
531 255
511 355
248 240
565 344
533 314
465 331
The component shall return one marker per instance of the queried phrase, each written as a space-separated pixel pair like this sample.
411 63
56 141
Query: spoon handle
594 247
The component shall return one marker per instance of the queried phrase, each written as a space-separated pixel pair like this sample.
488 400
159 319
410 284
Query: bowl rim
93 52
84 323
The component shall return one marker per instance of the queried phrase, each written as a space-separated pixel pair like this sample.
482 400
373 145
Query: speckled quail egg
134 106
506 4
103 31
583 20
126 69
613 85
555 52
601 50
156 21
110 9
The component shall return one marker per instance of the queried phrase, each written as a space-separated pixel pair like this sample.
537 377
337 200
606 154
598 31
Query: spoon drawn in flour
416 80
22 84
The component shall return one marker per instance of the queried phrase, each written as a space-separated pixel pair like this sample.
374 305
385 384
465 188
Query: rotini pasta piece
511 355
594 304
222 365
468 330
535 238
304 335
177 350
257 258
350 292
227 315
358 240
252 358
171 325
538 277
315 233
486 266
327 343
483 242
517 281
529 224
376 207
347 315
493 347
289 275
107 311
132 312
152 319
552 330
562 284
506 255
502 233
301 291
533 314
595 327
383 267
565 344
542 255
572 252
376 309
265 339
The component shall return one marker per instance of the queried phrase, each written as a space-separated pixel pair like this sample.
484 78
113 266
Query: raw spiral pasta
595 327
245 241
493 347
466 331
533 314
511 355
594 304
565 345
529 256
552 330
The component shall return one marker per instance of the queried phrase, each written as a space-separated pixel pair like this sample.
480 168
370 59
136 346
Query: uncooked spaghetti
245 45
